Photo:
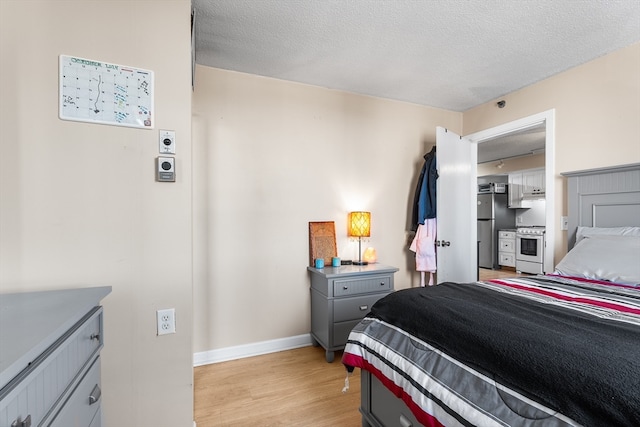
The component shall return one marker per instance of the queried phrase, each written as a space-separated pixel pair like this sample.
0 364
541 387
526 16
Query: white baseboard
248 350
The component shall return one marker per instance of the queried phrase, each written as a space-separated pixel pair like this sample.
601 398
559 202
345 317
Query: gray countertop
31 321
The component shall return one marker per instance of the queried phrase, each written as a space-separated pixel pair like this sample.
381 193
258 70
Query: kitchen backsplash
532 216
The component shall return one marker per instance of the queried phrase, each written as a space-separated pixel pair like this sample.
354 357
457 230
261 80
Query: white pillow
609 231
600 257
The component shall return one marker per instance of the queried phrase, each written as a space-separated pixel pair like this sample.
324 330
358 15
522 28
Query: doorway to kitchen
496 146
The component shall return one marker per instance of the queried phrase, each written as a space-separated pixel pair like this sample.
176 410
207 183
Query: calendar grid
99 92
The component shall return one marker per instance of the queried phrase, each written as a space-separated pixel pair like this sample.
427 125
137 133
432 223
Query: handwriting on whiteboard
99 92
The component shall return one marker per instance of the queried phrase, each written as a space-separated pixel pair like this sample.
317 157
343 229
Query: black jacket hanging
424 199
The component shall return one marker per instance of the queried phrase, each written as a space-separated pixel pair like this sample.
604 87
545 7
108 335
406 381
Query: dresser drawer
506 245
50 378
361 285
80 410
354 308
506 259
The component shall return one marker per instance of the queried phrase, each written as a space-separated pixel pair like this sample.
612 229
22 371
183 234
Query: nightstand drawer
342 330
361 286
354 308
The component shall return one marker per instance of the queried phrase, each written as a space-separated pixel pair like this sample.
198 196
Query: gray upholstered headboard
607 197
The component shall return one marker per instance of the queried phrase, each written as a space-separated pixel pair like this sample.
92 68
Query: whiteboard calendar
99 92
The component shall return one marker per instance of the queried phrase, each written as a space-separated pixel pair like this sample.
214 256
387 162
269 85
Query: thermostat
167 142
165 169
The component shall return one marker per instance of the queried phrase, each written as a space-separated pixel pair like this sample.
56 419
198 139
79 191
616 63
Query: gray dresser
50 346
341 297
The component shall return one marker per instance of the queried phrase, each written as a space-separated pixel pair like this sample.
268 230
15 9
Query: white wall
270 156
79 205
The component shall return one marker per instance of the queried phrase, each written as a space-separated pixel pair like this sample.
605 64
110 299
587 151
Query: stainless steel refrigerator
493 215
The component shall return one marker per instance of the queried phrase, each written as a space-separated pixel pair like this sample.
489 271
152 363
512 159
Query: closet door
456 201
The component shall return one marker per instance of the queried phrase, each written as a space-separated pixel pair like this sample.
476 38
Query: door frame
548 118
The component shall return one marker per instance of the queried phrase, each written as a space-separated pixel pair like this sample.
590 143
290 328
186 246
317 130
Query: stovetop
531 229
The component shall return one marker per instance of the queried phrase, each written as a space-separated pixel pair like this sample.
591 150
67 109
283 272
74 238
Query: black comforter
582 363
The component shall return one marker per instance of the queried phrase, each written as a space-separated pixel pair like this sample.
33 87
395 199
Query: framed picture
322 241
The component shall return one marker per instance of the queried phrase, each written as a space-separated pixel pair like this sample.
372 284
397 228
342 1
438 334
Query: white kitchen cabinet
523 183
507 248
533 181
515 189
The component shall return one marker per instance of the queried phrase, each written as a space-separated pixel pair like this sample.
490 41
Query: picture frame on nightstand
322 241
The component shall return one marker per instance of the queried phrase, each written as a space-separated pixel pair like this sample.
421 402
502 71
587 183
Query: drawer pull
345 287
95 395
20 423
382 283
363 307
404 422
95 337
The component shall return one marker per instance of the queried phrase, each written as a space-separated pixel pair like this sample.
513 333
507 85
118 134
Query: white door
456 159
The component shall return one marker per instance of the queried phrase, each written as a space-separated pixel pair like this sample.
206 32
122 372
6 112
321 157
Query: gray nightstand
341 297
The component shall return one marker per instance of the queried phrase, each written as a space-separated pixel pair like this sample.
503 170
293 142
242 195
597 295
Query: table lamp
359 225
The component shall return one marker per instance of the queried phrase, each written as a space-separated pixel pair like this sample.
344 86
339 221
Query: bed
561 349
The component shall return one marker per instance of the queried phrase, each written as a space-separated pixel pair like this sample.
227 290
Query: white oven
530 250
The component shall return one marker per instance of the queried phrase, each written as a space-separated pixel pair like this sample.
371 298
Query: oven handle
529 236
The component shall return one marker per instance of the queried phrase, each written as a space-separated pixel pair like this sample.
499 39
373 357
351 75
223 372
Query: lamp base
360 263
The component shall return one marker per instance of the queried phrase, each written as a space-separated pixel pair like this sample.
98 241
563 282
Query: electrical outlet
166 321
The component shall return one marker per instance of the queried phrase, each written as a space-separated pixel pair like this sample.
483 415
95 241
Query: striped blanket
537 351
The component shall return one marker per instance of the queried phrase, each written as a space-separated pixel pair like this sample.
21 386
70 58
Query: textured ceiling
450 54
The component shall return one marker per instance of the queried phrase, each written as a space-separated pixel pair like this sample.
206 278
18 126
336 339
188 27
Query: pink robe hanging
423 245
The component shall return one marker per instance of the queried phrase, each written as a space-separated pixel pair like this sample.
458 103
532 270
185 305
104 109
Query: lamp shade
359 224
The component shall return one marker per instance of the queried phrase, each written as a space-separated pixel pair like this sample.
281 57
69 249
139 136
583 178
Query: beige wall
78 202
270 156
597 117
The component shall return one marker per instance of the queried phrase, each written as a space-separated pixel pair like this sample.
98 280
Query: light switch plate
167 142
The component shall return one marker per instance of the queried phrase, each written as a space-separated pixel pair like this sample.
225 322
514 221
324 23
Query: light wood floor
289 388
488 274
